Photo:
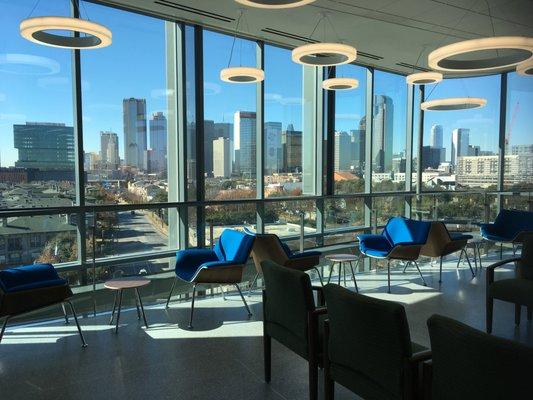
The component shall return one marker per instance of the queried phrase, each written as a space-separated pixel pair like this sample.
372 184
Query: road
136 234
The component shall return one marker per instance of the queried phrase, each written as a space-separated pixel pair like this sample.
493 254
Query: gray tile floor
222 357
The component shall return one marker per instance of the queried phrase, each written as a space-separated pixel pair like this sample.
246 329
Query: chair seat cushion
189 261
374 245
29 277
513 290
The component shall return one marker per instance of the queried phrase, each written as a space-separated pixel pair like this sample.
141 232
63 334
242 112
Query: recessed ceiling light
424 78
242 75
340 84
453 103
441 59
274 4
324 54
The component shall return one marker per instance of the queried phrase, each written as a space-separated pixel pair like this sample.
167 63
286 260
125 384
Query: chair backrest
268 247
289 298
511 222
438 238
370 338
470 364
525 265
400 230
234 246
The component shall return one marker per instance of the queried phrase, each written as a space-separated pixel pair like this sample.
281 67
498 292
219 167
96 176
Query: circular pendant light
275 4
340 84
453 103
324 54
35 30
424 78
441 58
525 69
242 75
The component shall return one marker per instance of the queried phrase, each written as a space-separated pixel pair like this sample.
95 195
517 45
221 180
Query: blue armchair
30 287
401 239
510 226
222 265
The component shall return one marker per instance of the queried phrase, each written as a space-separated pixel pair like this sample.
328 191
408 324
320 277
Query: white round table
343 260
121 284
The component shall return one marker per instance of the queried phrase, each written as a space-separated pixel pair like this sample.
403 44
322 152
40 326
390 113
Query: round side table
343 260
121 284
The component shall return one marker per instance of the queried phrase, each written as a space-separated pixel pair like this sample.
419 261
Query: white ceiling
389 31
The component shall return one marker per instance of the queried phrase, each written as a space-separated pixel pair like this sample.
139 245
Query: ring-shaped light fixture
441 58
275 4
35 30
525 69
424 78
453 103
242 75
340 84
324 54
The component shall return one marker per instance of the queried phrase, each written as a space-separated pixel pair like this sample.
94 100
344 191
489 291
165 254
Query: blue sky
36 83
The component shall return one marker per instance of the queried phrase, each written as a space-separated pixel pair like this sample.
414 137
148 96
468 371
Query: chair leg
329 387
489 309
114 308
469 263
460 259
244 300
313 377
319 276
83 342
331 271
517 310
223 292
192 305
422 276
171 290
353 276
267 354
65 313
529 313
440 270
479 256
252 284
388 275
501 251
4 328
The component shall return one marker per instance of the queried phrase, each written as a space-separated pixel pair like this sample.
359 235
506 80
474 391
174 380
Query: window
518 173
125 113
389 133
460 148
350 133
230 126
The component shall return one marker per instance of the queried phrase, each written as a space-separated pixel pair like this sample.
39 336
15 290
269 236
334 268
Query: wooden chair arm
492 267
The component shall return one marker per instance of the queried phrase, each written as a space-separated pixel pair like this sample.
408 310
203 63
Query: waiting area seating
510 226
31 287
223 265
401 239
518 290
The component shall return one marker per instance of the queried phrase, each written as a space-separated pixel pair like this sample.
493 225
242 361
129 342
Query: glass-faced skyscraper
158 142
383 131
134 113
109 157
460 142
245 137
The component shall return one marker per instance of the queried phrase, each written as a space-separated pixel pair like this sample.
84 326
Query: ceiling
390 34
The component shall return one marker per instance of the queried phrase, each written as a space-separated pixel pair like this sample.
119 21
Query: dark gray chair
470 364
368 348
518 290
291 317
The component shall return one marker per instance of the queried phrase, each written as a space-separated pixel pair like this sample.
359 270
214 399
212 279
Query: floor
222 357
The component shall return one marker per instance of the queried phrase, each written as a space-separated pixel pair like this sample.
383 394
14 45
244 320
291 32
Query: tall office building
357 147
291 145
45 146
273 150
135 146
158 142
109 158
435 137
460 143
383 133
209 136
343 151
245 137
223 129
221 157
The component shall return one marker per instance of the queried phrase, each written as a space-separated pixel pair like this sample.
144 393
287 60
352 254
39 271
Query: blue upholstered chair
222 265
401 239
510 226
28 288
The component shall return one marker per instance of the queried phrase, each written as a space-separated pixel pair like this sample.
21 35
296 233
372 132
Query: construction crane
511 124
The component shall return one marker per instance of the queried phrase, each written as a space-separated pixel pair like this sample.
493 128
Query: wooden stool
118 285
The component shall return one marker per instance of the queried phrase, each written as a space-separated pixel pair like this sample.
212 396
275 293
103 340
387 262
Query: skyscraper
221 157
358 146
135 146
291 145
435 138
209 136
245 136
460 142
273 150
109 157
343 153
383 131
158 142
45 146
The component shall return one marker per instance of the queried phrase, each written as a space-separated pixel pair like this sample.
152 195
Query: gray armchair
518 290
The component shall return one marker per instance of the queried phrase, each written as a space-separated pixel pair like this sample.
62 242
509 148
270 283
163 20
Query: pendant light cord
235 37
33 9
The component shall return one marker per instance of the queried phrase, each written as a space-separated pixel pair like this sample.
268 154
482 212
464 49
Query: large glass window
350 133
125 110
460 149
389 133
230 127
518 172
